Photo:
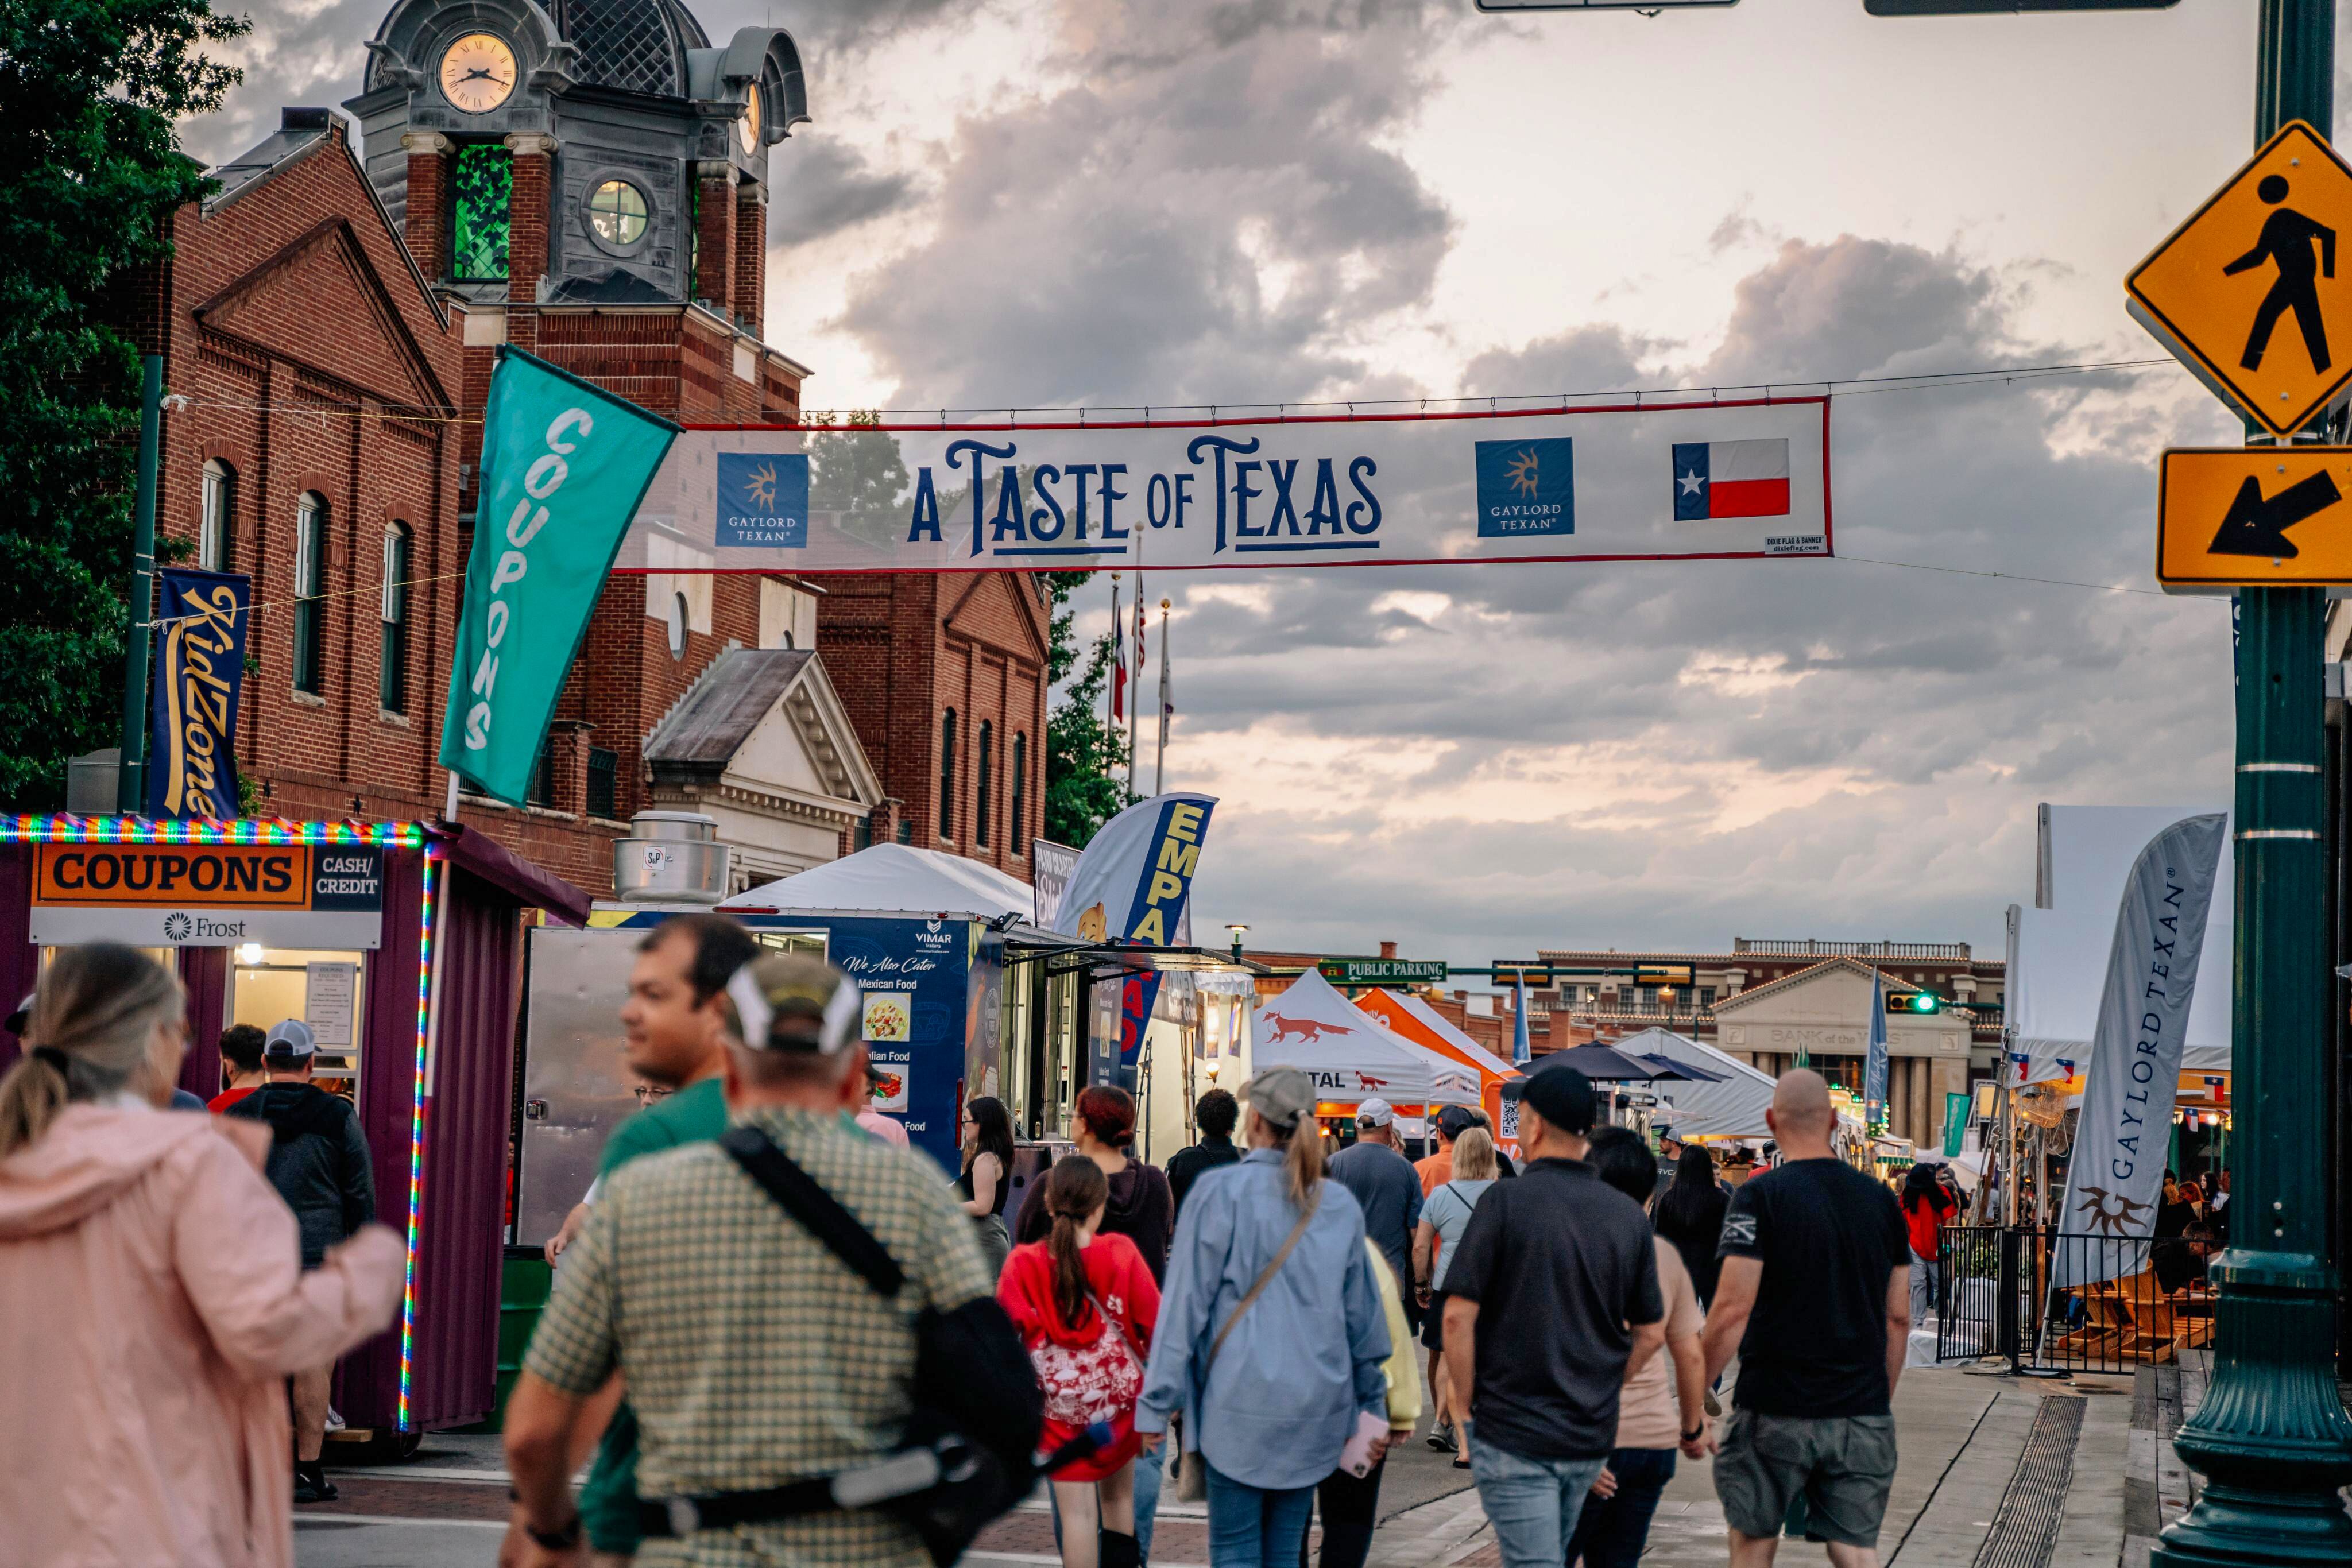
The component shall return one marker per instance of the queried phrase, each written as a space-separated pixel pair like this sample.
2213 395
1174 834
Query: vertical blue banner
199 676
1874 1066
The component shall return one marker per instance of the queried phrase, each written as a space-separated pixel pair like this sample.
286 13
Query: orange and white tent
1351 1056
1404 1014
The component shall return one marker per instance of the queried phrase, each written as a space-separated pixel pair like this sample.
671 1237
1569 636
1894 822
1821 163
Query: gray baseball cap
1280 1094
289 1038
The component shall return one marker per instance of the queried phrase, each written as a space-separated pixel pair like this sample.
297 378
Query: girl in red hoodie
1084 1304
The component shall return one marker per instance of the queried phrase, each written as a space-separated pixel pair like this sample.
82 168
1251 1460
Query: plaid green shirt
753 1355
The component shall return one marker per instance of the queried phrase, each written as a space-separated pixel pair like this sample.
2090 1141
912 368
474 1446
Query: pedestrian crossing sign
2250 293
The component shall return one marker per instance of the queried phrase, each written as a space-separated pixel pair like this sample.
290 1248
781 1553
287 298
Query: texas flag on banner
1731 480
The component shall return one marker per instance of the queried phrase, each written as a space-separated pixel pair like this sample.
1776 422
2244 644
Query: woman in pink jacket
152 1299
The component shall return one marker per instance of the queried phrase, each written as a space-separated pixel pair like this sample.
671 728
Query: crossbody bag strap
819 1212
1263 1279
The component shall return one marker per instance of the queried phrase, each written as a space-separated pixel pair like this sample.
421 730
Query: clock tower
579 152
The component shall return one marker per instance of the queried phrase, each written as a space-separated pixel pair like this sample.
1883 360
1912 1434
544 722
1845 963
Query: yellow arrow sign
2255 517
2249 292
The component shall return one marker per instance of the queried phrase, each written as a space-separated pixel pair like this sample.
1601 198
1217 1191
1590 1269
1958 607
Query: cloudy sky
1050 203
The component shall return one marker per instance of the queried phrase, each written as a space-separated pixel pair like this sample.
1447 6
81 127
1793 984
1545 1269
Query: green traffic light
1923 1003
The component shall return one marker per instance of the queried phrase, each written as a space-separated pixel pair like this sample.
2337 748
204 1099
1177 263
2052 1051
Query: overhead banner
199 673
563 466
1635 481
2115 1179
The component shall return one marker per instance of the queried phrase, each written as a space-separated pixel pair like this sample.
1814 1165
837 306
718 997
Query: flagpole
1159 766
1118 655
1136 694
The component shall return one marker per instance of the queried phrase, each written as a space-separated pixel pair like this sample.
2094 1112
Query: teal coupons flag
563 467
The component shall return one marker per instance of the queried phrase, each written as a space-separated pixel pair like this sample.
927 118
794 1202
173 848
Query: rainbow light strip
65 830
416 1125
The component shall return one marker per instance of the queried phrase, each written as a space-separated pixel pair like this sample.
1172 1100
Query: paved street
2034 1473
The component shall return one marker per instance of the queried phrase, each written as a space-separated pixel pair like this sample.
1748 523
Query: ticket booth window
325 988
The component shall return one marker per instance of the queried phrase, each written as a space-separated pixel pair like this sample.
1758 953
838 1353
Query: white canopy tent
1733 1108
1349 1055
2061 962
896 879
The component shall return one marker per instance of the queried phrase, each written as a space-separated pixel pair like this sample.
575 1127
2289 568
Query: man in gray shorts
1815 1295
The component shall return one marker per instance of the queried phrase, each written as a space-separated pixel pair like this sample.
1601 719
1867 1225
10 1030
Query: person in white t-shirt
1663 1410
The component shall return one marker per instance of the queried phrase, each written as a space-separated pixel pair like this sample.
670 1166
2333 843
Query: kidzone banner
1637 481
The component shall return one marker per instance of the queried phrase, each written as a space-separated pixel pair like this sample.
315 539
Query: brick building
317 447
587 182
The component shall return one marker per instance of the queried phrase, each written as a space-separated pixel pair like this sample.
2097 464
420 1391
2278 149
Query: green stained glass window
482 181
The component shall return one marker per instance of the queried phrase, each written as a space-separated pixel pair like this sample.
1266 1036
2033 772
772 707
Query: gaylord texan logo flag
1731 480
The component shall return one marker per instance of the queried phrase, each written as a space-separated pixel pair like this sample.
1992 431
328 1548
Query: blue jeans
1612 1531
1251 1527
1150 1472
1533 1504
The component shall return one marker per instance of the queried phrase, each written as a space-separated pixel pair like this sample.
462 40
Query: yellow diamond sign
2249 292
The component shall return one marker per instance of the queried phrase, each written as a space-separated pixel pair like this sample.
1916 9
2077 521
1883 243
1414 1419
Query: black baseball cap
1563 1096
1455 1120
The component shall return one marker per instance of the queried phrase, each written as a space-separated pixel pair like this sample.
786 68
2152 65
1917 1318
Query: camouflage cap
788 1001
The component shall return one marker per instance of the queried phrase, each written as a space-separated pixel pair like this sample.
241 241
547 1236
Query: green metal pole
131 785
2272 1437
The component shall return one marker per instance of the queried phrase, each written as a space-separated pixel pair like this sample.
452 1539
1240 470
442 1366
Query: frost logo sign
763 500
1527 487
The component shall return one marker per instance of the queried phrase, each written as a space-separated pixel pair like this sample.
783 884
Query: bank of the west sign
208 895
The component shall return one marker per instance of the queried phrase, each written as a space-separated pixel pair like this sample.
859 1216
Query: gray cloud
822 186
1207 217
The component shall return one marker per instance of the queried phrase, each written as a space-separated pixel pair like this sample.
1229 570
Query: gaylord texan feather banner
1646 481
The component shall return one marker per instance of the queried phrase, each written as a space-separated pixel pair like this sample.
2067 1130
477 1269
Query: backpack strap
818 1211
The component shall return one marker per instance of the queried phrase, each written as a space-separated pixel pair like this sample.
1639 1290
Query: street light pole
2272 1437
131 779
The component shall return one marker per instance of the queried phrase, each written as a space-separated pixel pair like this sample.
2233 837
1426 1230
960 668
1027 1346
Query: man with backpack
318 1163
762 1365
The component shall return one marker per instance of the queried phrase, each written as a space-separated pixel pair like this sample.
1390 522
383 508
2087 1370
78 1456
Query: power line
1832 387
2007 576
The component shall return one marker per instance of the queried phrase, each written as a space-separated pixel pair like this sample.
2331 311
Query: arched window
391 685
947 774
216 534
311 592
678 613
1019 824
987 766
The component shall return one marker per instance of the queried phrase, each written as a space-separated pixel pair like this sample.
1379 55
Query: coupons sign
1694 480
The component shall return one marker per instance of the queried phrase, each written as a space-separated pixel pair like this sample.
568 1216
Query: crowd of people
1257 1327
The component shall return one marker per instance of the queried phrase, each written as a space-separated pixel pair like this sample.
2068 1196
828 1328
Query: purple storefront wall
461 1223
467 1120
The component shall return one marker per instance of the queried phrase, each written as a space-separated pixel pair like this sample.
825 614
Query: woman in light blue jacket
1271 1408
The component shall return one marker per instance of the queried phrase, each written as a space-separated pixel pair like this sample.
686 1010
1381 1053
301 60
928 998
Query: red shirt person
1086 1305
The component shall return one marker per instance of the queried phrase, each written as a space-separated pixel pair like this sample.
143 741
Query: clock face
747 128
477 74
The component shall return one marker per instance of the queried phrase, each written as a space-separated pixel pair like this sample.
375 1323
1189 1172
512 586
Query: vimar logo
177 927
763 498
1527 487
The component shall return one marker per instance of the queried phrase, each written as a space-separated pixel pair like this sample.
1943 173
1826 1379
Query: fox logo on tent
1307 1030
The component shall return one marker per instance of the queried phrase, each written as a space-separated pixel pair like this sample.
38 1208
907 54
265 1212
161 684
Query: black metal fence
2070 1300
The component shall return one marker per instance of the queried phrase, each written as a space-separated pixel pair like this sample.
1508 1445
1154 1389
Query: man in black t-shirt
1552 1304
1814 1294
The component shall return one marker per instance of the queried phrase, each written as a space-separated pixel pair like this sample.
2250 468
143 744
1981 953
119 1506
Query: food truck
400 944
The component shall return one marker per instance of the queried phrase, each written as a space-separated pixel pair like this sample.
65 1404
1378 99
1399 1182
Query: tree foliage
91 173
1081 748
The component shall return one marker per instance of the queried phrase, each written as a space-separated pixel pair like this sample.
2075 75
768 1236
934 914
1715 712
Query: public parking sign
2266 516
2248 293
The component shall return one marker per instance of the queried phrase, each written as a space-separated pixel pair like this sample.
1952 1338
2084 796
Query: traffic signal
1914 1002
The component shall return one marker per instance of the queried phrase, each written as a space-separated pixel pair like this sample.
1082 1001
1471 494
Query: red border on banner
1829 531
